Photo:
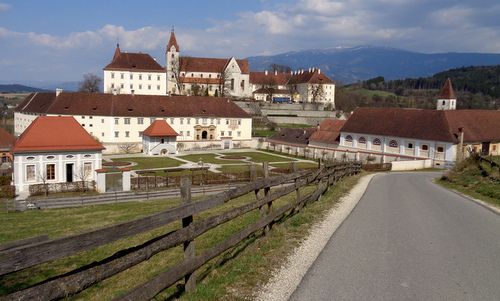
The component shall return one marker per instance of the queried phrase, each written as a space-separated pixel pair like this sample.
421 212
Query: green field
259 157
206 158
151 162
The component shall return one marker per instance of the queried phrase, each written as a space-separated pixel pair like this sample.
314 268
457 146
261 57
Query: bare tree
317 93
280 68
175 68
83 175
224 84
42 175
196 90
127 148
91 83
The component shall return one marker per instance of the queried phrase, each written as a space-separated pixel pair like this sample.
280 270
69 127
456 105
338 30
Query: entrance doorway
204 135
69 172
485 148
227 144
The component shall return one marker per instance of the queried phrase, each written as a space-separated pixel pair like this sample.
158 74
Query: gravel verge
285 280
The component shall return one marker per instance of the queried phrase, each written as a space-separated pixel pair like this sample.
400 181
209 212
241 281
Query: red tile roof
6 140
172 41
328 132
434 125
160 128
292 136
447 91
313 77
215 65
55 133
133 62
96 104
260 78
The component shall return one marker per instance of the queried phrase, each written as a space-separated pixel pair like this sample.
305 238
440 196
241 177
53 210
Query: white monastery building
134 73
119 121
54 150
442 135
299 86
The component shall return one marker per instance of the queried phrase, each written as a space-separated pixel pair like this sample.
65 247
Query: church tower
172 64
447 99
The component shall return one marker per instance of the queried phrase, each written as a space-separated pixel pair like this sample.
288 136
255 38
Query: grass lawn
206 158
237 168
259 157
151 162
263 133
234 279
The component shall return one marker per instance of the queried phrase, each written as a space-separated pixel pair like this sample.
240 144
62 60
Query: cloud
4 7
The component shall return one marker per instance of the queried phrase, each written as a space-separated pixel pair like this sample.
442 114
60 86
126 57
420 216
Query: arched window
376 141
362 140
393 143
425 147
440 149
348 138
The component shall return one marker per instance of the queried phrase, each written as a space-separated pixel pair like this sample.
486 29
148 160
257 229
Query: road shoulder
285 280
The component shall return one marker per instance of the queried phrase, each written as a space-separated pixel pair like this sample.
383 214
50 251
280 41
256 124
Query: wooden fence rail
15 257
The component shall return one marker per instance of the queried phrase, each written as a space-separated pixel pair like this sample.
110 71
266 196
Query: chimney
309 69
265 72
319 71
275 72
291 72
58 91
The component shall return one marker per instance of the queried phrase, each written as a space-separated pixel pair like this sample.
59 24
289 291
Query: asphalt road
409 239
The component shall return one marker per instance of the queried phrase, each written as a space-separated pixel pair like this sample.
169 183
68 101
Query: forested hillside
476 88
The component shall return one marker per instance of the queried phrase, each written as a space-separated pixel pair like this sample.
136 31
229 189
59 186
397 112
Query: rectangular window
227 121
151 120
121 75
131 76
30 173
140 133
218 121
238 133
158 87
131 87
149 76
149 87
121 86
239 121
50 173
189 121
158 77
140 76
102 134
117 120
140 120
197 120
188 133
211 121
112 86
182 120
181 133
172 120
102 120
127 134
230 133
232 84
243 84
204 121
112 75
87 169
126 120
222 133
116 134
140 87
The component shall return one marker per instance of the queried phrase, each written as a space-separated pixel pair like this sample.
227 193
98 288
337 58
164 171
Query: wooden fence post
253 173
265 210
190 279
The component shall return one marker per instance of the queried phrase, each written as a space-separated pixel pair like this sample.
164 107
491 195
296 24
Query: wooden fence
35 251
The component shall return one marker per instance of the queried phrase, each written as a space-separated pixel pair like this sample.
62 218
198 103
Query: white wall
60 159
143 83
411 165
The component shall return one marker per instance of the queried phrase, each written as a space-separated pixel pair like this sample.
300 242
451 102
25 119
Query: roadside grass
467 178
151 162
238 275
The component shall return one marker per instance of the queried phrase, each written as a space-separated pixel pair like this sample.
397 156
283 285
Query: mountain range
351 64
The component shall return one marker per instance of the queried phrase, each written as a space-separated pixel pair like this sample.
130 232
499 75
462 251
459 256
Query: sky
58 41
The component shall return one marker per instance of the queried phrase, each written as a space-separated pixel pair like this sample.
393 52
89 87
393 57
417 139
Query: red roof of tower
160 128
172 42
117 52
447 91
55 133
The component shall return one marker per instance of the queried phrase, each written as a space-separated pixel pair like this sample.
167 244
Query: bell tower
447 99
172 65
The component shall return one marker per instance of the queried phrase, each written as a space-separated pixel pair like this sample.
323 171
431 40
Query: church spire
172 41
117 52
447 91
